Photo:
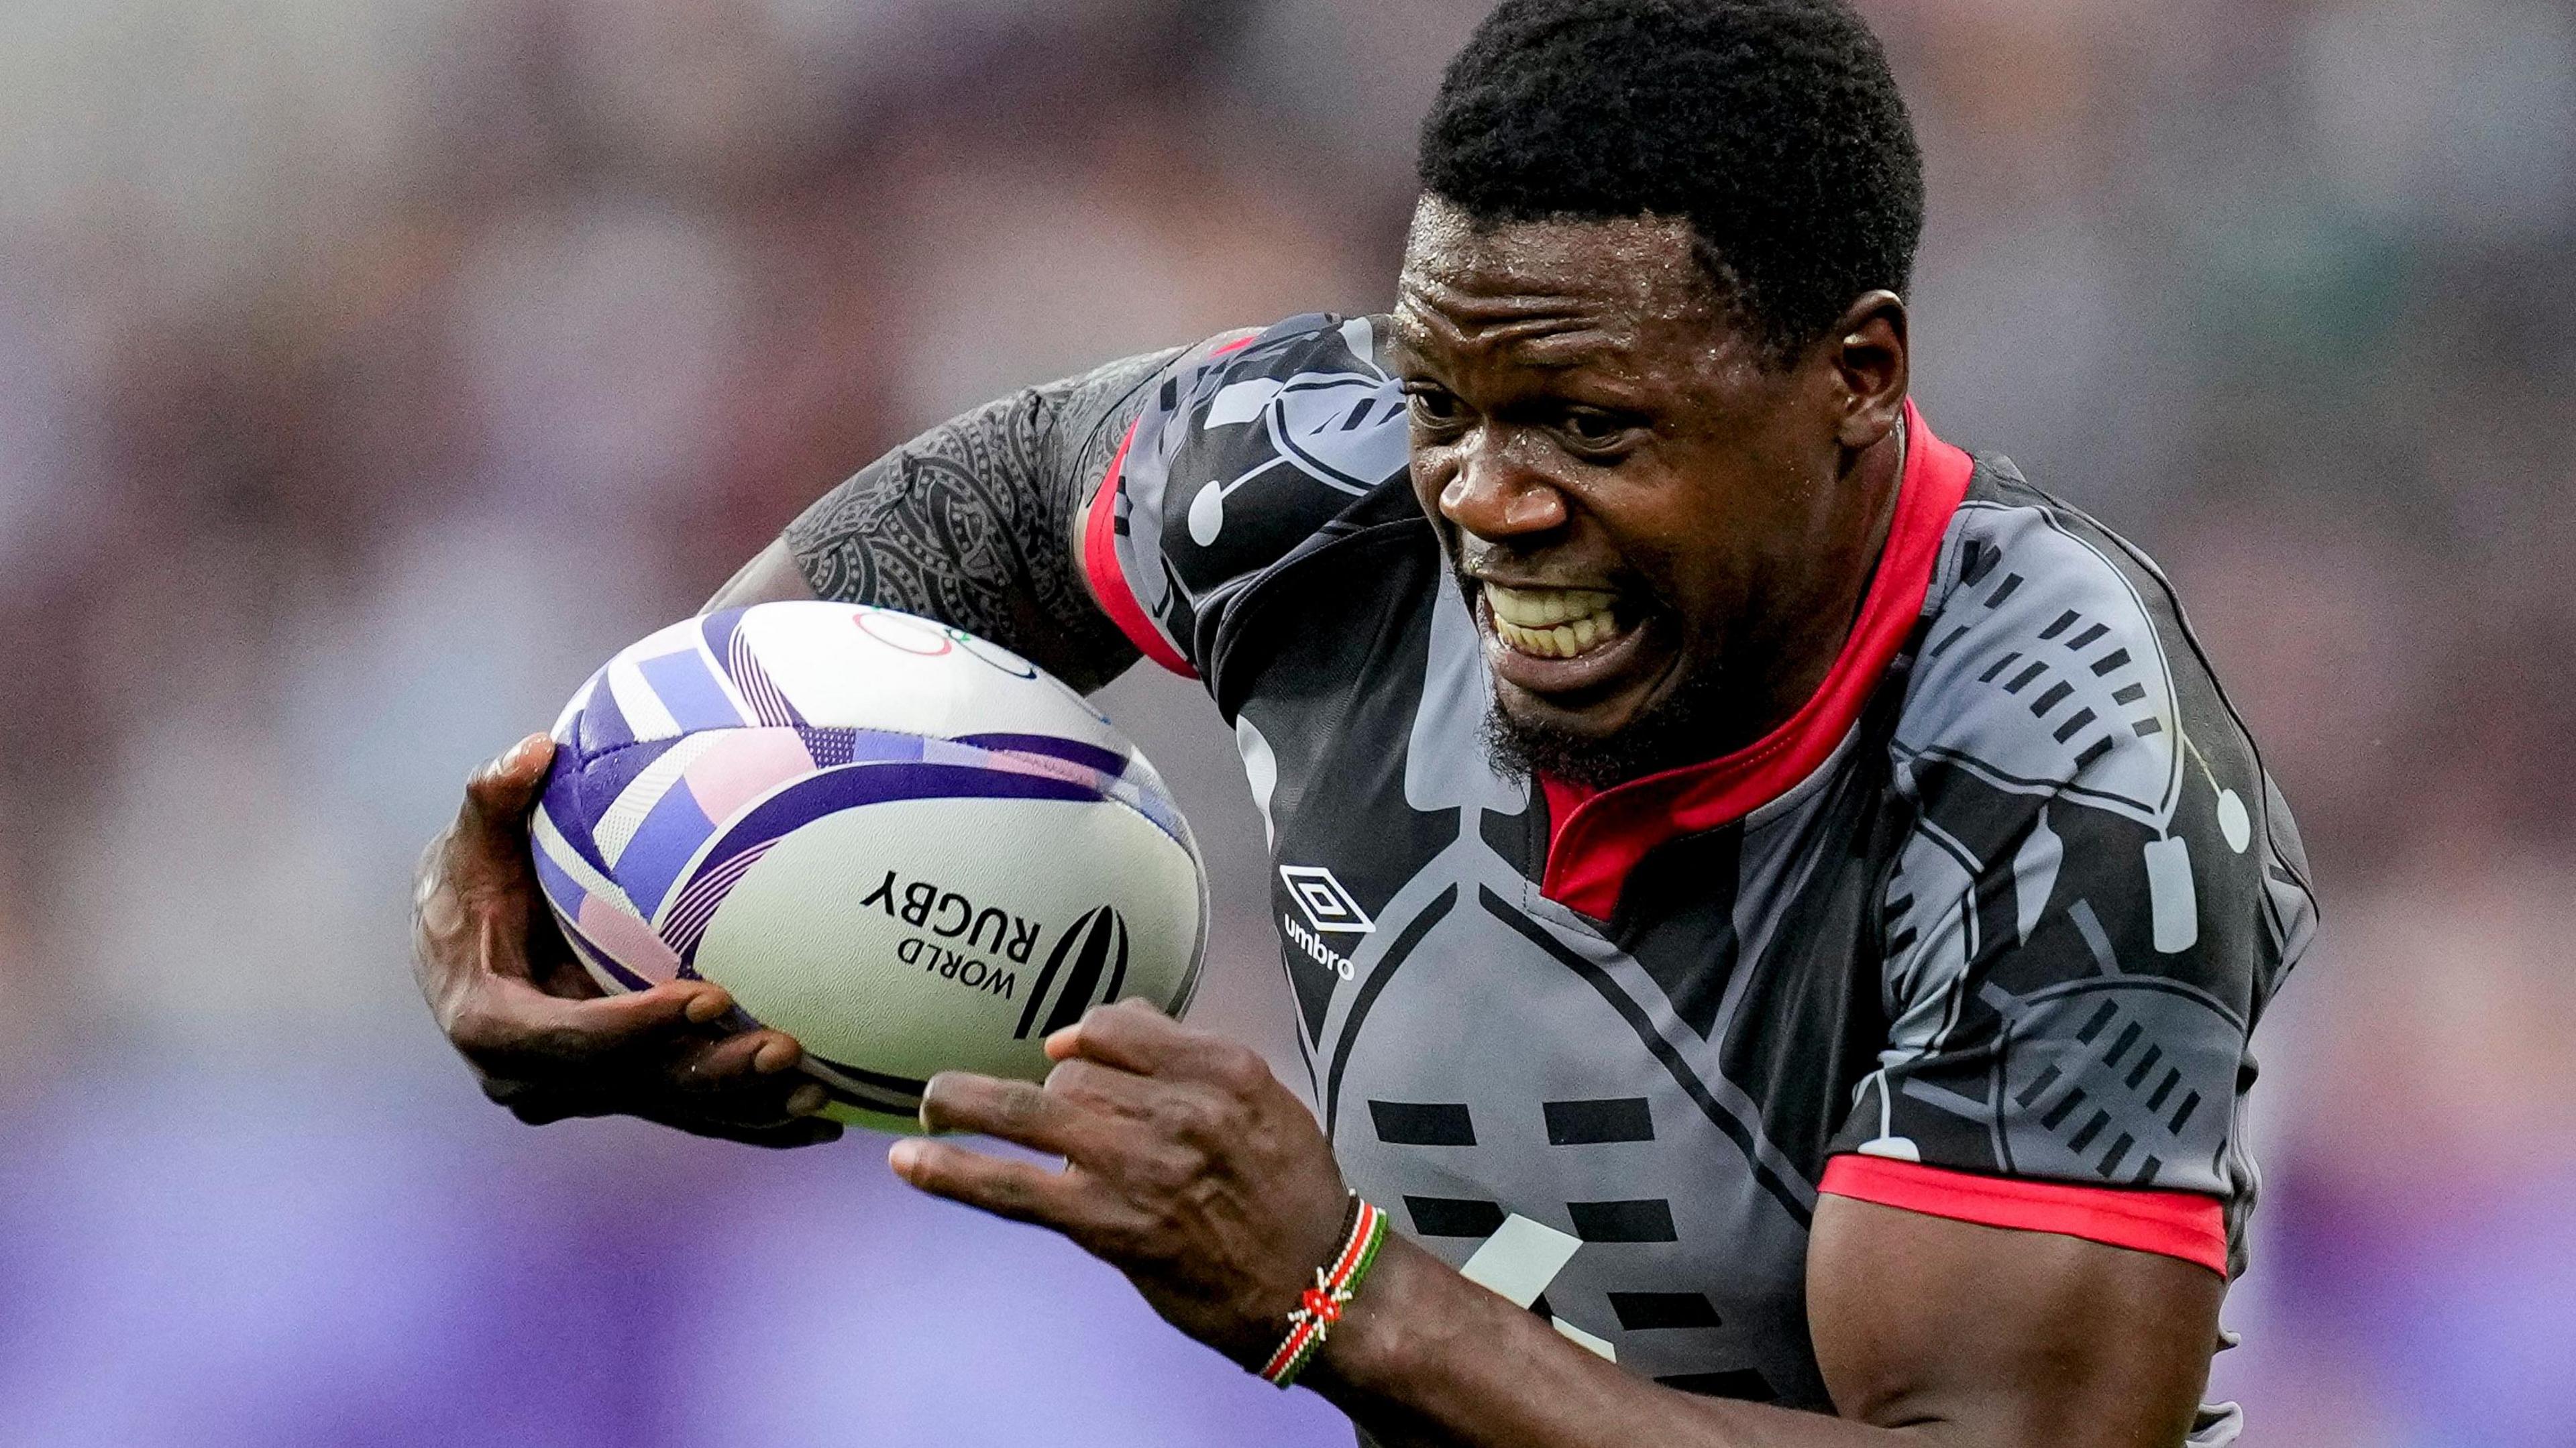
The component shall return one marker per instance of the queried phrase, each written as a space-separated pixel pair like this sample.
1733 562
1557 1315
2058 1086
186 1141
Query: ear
1868 355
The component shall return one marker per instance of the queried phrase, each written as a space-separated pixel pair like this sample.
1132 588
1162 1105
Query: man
1779 900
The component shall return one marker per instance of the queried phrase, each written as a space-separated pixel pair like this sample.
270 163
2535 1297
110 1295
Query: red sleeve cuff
2170 1224
1109 581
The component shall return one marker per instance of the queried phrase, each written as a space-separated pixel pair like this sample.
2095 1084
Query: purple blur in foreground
225 1261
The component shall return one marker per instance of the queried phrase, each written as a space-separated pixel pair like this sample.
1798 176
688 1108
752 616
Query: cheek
1687 534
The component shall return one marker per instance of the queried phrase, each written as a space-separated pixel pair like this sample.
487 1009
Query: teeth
1544 607
1553 623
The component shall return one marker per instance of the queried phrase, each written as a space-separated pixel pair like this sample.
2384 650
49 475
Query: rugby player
1777 899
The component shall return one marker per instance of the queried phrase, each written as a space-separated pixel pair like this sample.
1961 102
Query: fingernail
774 1056
806 1100
903 1156
524 753
706 1005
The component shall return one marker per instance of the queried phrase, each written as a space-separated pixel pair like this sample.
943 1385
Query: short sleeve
2084 918
1248 452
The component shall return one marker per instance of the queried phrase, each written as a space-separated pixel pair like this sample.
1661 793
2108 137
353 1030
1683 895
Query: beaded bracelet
1320 1306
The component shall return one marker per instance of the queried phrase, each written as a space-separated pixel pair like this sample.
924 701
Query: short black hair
1773 127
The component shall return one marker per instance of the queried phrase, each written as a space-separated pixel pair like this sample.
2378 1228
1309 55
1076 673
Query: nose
1496 497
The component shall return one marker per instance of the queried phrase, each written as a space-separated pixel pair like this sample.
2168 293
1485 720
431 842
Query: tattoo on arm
972 522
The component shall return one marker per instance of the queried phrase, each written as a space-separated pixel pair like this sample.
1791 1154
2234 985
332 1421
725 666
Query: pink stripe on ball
744 765
629 941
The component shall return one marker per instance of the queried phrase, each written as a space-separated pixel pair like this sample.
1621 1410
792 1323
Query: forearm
1427 1359
972 523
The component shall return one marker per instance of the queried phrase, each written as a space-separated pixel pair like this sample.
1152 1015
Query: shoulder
1252 448
2059 714
2054 658
1252 444
2098 888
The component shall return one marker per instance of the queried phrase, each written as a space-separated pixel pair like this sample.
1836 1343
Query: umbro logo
1328 908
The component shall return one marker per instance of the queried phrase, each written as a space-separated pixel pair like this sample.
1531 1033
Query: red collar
1596 838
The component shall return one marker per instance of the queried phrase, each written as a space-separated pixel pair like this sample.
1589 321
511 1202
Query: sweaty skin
1594 440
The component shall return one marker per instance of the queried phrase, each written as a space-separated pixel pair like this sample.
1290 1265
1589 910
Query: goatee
1685 727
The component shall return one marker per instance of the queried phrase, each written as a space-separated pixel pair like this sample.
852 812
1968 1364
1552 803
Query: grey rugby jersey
1982 932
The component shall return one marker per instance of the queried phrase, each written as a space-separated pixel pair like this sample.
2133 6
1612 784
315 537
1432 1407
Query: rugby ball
899 843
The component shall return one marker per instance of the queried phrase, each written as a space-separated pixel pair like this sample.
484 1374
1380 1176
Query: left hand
1187 1166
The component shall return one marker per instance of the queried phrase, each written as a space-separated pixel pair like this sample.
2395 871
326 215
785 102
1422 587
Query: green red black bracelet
1320 1306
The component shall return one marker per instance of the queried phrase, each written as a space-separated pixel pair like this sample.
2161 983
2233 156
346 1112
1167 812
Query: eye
1592 429
1431 406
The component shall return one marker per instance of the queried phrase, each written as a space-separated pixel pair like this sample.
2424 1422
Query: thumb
498 796
488 848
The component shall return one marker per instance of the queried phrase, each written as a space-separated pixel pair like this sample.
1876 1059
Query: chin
1558 745
1608 742
1596 720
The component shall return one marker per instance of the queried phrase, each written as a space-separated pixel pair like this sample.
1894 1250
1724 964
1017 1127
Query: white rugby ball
905 846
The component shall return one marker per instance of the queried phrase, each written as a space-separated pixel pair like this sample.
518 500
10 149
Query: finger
1019 1190
1133 1036
499 795
1104 1088
508 1017
734 1060
763 1118
487 849
656 1091
1015 1111
477 877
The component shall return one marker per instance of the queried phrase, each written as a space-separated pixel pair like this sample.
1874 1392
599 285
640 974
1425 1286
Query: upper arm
1997 1338
969 522
2097 893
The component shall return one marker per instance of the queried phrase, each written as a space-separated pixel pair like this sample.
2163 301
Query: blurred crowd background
368 371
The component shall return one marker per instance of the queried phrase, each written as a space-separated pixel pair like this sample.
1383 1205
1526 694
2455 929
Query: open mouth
1555 623
1567 649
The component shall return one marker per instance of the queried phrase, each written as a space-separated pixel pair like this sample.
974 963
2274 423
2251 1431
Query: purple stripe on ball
834 790
606 775
768 702
565 800
662 847
718 629
688 688
687 923
560 887
602 725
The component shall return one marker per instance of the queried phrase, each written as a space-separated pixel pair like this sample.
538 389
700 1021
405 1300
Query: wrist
1368 1349
1322 1307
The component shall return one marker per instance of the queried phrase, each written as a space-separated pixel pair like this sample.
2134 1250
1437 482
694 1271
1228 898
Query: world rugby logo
1091 950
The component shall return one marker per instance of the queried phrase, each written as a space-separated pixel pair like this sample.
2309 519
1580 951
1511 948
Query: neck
1810 624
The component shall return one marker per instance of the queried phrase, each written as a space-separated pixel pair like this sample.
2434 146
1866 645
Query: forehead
1553 290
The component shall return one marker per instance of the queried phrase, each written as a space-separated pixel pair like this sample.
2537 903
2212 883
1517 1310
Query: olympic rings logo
924 639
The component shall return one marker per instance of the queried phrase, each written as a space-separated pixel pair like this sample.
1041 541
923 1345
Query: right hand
540 1036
